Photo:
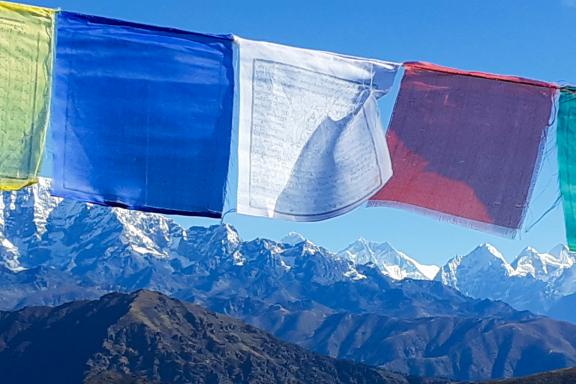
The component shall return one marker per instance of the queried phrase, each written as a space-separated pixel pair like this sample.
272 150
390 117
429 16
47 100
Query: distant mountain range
539 282
146 337
544 283
390 261
355 304
533 281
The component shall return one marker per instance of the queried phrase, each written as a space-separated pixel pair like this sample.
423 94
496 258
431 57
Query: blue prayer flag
142 116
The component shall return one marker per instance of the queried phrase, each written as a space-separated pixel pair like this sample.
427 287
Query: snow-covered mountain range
533 281
40 231
477 273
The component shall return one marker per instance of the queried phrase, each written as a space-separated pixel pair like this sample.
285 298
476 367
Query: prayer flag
142 116
466 145
566 138
311 144
26 40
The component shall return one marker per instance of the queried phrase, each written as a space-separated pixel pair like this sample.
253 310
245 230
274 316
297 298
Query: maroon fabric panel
466 144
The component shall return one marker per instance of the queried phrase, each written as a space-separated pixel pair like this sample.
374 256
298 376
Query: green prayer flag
566 138
26 46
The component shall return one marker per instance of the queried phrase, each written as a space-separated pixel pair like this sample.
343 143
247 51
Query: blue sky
530 38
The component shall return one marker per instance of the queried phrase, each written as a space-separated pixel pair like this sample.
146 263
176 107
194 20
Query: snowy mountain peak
474 271
227 233
563 254
543 266
219 240
293 238
33 203
486 257
389 260
529 250
487 251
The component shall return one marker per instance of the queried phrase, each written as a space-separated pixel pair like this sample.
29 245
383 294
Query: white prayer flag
311 144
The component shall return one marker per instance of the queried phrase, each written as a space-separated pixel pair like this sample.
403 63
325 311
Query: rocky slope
566 376
149 337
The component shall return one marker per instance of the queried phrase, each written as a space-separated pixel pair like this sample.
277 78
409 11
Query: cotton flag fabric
465 145
142 116
311 144
566 139
26 45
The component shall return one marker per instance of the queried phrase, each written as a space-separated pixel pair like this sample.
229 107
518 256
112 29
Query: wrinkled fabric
466 145
142 116
566 140
311 143
26 45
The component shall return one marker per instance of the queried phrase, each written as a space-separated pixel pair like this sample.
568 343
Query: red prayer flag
466 144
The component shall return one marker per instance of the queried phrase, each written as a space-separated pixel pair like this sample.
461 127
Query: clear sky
529 38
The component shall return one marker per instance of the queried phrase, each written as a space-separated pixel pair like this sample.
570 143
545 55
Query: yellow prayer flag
26 60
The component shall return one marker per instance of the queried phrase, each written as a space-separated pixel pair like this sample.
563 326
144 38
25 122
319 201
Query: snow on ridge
388 259
293 238
34 201
543 266
159 237
10 257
